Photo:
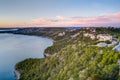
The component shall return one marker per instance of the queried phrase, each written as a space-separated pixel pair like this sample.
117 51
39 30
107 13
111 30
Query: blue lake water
15 48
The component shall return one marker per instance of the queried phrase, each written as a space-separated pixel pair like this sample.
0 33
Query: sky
59 13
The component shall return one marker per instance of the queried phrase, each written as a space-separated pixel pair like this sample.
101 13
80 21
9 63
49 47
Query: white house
92 36
104 37
61 34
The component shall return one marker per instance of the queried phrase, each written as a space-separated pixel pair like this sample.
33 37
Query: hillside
74 56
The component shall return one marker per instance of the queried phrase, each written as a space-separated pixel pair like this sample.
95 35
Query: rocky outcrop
17 74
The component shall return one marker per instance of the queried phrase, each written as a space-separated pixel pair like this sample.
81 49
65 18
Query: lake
15 48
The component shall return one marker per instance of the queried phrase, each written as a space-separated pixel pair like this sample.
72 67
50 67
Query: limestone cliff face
17 74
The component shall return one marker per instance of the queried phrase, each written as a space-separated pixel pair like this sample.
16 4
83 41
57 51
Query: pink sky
62 21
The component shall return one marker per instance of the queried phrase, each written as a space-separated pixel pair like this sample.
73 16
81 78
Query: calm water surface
14 48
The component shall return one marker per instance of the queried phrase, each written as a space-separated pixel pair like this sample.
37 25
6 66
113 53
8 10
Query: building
92 36
61 34
104 37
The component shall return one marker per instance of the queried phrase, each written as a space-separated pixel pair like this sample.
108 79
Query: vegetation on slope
74 59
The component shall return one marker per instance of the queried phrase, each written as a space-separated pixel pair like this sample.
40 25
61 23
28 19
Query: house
92 36
61 34
104 37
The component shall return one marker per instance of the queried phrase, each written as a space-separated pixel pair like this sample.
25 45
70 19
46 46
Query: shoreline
17 72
